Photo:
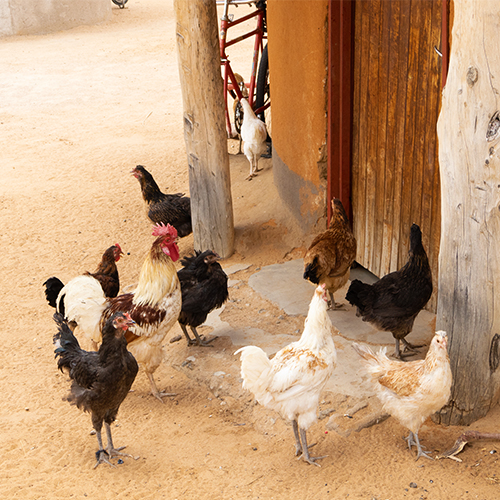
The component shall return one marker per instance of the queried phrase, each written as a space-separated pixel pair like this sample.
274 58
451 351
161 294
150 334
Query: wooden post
204 125
469 260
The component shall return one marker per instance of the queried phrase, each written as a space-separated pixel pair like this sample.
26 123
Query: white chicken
292 381
411 391
254 135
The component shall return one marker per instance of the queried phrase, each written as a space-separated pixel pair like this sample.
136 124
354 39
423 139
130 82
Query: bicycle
120 3
257 91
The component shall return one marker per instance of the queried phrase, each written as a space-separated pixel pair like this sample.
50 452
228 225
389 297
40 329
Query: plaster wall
32 17
298 50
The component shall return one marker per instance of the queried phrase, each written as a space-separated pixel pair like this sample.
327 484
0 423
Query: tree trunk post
204 125
469 260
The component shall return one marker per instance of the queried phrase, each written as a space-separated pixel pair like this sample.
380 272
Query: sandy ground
79 110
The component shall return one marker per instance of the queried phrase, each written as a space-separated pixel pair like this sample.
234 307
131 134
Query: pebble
413 485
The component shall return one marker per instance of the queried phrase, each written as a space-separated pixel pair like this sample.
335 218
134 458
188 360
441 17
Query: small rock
120 461
191 358
413 485
219 374
27 409
175 339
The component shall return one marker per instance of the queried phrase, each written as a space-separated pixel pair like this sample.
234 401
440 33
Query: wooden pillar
469 259
204 125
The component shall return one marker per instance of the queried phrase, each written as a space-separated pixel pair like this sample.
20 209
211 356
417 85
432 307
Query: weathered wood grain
469 277
204 126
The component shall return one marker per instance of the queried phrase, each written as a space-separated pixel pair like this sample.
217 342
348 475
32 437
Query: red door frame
340 77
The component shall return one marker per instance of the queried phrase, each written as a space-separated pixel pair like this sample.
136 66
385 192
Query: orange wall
298 35
297 44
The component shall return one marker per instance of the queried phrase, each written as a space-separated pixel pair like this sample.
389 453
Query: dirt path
79 110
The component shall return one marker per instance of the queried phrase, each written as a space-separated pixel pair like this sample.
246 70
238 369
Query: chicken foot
154 389
412 439
111 450
198 340
301 447
101 454
407 347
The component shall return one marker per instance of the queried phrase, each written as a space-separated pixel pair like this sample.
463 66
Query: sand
79 110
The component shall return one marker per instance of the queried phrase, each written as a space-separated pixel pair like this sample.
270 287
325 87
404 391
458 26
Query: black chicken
173 209
106 274
204 288
393 302
100 380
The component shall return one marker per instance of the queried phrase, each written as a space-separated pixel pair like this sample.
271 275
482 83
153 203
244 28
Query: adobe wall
298 50
32 17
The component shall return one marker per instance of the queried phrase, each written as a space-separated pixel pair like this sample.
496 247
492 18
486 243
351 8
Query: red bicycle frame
230 82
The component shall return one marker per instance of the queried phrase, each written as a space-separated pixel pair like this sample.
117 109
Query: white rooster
292 381
254 134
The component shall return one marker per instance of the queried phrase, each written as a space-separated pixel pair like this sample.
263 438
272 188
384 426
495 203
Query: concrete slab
348 389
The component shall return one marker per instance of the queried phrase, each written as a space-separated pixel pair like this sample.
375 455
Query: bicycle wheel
263 90
120 3
238 117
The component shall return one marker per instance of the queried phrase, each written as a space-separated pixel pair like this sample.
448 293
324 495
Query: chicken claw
412 439
101 458
302 448
154 389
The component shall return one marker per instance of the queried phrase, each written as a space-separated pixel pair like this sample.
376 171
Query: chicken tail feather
357 293
255 366
66 343
52 288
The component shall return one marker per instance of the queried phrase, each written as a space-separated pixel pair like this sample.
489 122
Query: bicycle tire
120 3
263 87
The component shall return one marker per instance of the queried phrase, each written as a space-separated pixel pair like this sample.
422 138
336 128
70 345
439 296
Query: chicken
106 274
292 381
411 391
204 288
100 380
331 254
173 209
154 305
393 302
254 135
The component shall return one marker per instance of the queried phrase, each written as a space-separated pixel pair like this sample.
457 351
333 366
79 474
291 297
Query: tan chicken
411 391
292 381
331 254
254 135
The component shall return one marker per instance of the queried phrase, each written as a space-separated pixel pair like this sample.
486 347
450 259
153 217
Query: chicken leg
412 439
101 454
111 450
301 445
198 341
154 389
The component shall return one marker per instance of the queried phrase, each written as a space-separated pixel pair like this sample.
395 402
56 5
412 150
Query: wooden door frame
340 95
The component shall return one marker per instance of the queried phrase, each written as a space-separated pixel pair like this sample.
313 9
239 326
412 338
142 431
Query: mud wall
297 41
32 17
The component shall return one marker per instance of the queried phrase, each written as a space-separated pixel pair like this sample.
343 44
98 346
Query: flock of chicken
128 330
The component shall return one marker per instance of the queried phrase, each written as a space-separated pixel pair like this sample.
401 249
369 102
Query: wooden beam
204 126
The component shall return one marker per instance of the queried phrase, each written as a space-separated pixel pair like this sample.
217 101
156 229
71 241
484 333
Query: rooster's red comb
162 230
